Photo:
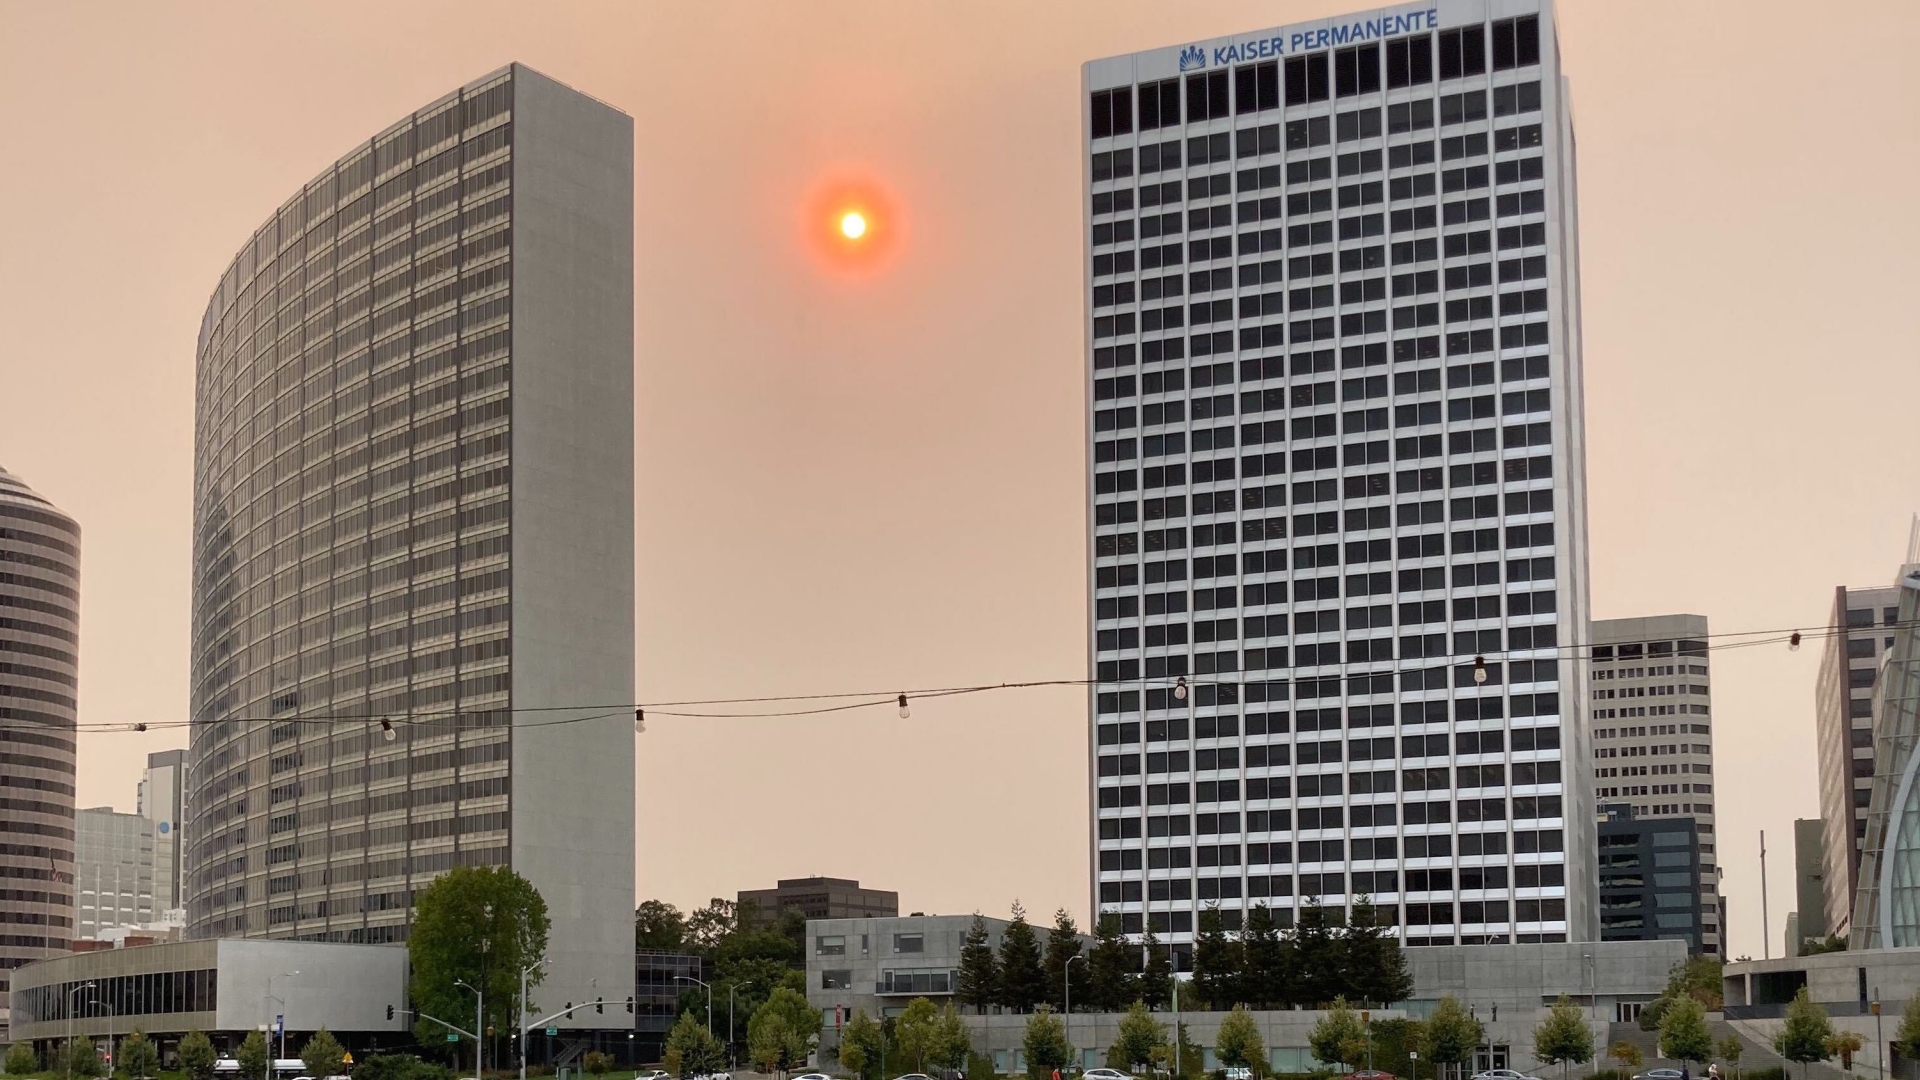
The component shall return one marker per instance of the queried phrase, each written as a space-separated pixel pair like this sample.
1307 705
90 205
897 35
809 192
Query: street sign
279 1023
553 1031
451 1037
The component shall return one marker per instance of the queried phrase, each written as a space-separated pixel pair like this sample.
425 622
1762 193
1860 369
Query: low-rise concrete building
225 987
818 898
878 965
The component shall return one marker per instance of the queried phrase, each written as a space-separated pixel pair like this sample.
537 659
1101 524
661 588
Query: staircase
1757 1054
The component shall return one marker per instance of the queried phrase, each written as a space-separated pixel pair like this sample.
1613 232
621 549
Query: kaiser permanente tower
413 548
1336 476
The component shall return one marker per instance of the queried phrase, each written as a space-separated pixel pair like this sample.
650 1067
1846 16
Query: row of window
1299 80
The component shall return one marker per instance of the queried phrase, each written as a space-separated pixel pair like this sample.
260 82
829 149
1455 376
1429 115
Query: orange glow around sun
851 226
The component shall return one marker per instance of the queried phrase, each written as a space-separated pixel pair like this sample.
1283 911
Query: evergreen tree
979 981
1318 956
697 1050
197 1056
1063 944
1683 1031
253 1057
1216 962
323 1055
1263 955
1022 982
1375 969
1156 972
1045 1043
141 1058
1563 1038
1803 1038
1110 979
1238 1044
1142 1041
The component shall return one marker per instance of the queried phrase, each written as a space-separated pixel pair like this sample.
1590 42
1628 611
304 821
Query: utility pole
526 1028
1766 934
1066 995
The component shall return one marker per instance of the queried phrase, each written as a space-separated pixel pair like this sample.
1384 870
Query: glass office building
413 547
1336 477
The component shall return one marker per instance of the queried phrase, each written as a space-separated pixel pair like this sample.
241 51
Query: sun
853 225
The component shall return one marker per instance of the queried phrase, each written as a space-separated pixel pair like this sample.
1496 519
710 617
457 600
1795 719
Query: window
1306 79
1356 70
1410 61
1516 42
830 945
1160 104
909 943
1112 112
1256 87
1463 52
836 980
1206 95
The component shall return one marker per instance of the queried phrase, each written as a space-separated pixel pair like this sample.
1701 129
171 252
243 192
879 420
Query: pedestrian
1683 1072
1713 1071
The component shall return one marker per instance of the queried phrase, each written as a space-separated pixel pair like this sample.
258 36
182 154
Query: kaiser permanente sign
1326 37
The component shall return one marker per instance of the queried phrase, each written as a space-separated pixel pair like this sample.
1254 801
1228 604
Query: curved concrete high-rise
39 666
413 548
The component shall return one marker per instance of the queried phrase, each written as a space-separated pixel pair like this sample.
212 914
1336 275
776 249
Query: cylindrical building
39 668
413 517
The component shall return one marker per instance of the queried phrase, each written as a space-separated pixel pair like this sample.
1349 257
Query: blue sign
166 827
1193 57
279 1023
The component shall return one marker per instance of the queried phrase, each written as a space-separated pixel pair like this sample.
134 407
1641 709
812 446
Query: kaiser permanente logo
1194 57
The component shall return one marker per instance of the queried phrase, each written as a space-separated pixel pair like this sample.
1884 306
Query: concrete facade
1809 868
1652 718
1338 539
820 898
225 988
414 504
39 684
1843 983
878 965
161 799
114 872
1843 700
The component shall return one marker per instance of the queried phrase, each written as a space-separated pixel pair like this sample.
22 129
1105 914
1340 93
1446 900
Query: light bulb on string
1479 669
387 732
1180 688
639 721
1793 643
905 713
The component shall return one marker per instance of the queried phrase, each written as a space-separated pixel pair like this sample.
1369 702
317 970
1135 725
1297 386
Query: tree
1627 1054
1319 977
1156 972
1452 1033
141 1059
783 1030
1698 978
1844 1044
659 925
1141 1040
708 926
324 1056
861 1046
1063 944
253 1057
1803 1037
197 1057
1730 1049
1907 1038
82 1058
597 1063
1375 968
979 981
1263 961
21 1059
1683 1030
1216 961
1563 1038
1022 983
1238 1044
951 1044
1110 977
1339 1036
480 925
913 1032
699 1052
1045 1043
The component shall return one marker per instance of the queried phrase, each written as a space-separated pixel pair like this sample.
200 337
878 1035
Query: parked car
1107 1074
802 1076
1369 1074
1659 1074
913 1076
1239 1072
653 1074
1503 1074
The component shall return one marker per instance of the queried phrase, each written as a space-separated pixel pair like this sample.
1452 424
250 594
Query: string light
1180 689
639 721
905 713
1793 643
387 732
1479 669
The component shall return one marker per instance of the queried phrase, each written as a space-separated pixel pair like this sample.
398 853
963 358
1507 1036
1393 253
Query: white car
653 1074
1502 1074
1106 1074
802 1076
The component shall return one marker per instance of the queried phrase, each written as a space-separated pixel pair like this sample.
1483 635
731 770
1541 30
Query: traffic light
389 1012
629 1004
600 1005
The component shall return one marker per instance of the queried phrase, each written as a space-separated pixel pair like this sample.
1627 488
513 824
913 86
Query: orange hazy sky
873 479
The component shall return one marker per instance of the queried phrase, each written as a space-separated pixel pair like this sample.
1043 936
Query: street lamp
691 979
479 1024
282 1024
1066 996
112 1015
730 992
73 1004
524 1028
